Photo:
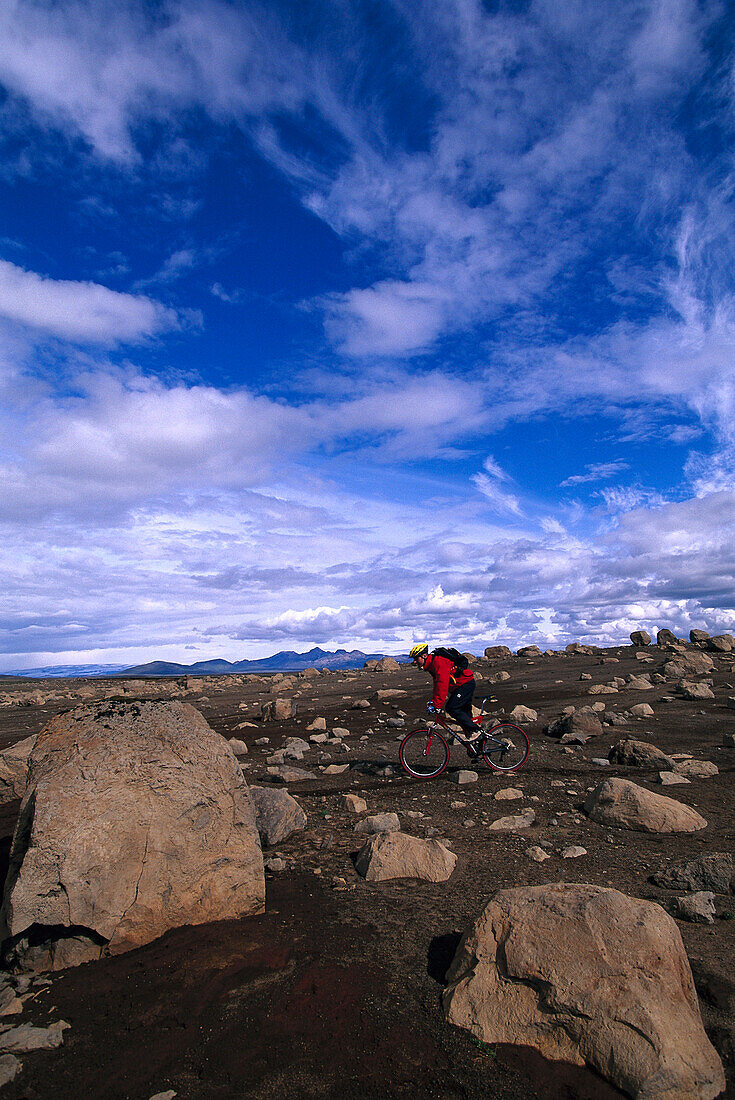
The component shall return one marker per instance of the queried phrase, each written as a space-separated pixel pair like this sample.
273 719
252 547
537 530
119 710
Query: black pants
459 706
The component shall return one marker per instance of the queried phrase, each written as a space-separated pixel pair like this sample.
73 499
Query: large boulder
529 651
387 664
698 636
14 769
279 710
622 1001
497 652
721 643
277 814
639 754
640 637
578 727
136 820
628 806
399 855
689 661
715 872
666 637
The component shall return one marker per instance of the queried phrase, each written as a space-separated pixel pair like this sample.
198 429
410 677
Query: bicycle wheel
505 747
423 754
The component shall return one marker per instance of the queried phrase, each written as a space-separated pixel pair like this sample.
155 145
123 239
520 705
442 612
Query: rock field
519 960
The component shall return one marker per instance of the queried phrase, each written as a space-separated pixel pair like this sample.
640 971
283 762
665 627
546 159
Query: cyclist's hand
431 708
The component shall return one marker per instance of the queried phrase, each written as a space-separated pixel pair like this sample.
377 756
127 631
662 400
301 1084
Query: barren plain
335 990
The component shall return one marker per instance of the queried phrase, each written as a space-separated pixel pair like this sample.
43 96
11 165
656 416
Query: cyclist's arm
440 670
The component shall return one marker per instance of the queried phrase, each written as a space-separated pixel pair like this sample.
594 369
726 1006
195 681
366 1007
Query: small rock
318 738
339 731
275 864
336 769
600 762
671 779
523 714
697 769
508 794
515 821
462 776
378 823
360 704
457 806
642 710
26 1037
699 907
289 774
318 724
10 1066
354 803
728 739
538 855
238 747
574 851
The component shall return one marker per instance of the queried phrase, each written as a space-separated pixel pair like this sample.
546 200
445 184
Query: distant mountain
51 672
285 661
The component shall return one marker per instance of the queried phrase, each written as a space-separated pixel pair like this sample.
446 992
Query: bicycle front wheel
423 754
505 747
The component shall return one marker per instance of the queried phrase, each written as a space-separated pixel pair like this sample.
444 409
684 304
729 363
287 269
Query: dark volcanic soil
335 991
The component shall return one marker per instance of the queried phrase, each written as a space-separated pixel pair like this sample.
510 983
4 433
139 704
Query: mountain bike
424 752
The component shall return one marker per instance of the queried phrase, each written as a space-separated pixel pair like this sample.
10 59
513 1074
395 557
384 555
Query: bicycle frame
456 730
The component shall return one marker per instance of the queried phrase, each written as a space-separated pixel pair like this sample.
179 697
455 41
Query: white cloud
596 471
80 312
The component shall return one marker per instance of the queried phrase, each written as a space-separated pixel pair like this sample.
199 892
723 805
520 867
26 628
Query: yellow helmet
418 649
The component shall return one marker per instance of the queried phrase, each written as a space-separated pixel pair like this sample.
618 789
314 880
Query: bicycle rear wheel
423 754
505 747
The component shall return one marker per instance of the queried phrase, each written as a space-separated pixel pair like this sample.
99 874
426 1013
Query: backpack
452 655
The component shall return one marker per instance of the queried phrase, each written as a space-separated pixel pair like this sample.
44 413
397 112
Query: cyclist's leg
459 707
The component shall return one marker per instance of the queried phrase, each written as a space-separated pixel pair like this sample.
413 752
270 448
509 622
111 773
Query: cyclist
454 688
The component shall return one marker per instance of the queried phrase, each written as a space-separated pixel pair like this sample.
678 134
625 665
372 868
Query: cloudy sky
349 322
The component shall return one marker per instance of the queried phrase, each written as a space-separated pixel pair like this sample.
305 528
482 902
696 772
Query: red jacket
446 677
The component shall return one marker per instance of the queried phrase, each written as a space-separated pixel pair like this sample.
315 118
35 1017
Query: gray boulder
698 636
573 727
640 637
698 908
639 754
715 872
666 637
14 769
497 652
277 814
399 855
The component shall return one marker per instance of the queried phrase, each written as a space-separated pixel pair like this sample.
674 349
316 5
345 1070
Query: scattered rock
642 710
699 907
508 794
340 731
279 710
10 1067
514 980
238 747
275 864
14 769
387 664
574 851
497 652
361 704
336 769
537 854
529 651
515 821
579 724
698 636
354 803
602 689
398 855
289 774
666 637
317 725
277 814
498 677
696 769
26 1037
523 714
715 872
462 776
624 804
154 791
671 779
639 754
692 690
721 643
378 823
640 637
639 683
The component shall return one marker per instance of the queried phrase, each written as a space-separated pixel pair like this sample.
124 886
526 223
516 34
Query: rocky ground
335 990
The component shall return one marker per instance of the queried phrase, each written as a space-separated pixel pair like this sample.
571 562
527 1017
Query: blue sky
349 323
